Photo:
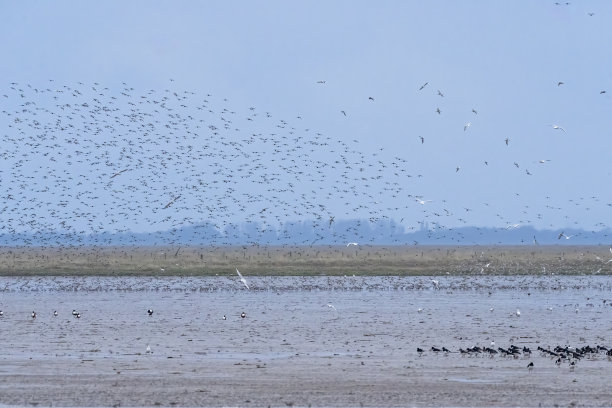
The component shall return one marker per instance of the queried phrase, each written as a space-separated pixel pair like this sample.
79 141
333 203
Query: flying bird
118 173
467 125
242 278
423 86
172 201
557 127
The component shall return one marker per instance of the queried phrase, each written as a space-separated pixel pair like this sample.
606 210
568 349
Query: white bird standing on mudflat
242 278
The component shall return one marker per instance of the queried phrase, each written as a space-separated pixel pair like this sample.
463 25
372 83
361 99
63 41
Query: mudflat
304 341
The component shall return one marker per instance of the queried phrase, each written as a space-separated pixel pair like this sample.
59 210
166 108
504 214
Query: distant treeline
317 232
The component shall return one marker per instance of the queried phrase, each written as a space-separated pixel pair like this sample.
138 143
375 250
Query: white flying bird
558 128
242 278
352 243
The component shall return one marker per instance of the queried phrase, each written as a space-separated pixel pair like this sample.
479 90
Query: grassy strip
287 261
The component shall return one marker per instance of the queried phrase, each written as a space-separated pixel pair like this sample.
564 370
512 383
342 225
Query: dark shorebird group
559 354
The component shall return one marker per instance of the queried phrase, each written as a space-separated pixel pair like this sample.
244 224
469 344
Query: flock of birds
85 163
560 354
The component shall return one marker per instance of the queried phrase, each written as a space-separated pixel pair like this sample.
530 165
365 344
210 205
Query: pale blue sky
502 58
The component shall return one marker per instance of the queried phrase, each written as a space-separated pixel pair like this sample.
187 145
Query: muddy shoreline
294 349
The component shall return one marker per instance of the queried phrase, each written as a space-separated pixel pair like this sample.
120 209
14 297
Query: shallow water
290 329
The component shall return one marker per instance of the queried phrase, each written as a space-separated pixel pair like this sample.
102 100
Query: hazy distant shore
315 260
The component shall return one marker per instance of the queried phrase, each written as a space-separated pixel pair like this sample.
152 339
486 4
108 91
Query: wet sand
293 349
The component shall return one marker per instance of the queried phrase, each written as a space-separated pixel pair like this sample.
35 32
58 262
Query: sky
344 79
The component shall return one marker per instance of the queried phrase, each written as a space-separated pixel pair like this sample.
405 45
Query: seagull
467 125
558 128
352 244
370 98
560 235
242 278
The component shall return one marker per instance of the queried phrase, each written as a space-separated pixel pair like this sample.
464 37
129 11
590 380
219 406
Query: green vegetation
316 260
